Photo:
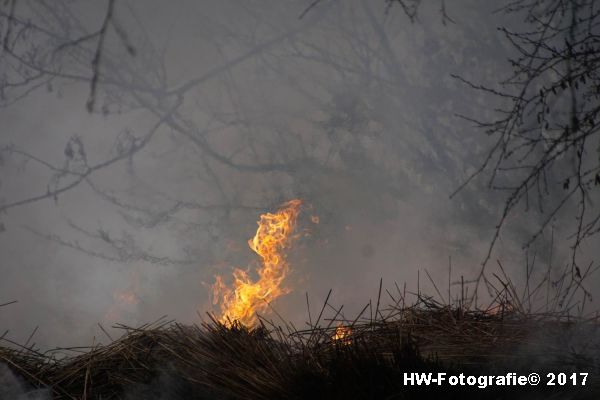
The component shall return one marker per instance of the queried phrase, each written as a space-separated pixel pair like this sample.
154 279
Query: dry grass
166 360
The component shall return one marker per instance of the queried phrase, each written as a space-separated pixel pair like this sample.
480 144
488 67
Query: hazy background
350 108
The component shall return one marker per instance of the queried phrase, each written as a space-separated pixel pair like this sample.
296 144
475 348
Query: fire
125 300
342 334
246 297
502 308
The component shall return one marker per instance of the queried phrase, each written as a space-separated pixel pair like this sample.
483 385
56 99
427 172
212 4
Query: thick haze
230 108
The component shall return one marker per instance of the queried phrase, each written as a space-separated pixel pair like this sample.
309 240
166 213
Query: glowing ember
342 334
247 297
502 308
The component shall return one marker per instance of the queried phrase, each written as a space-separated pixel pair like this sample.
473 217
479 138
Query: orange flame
246 298
342 334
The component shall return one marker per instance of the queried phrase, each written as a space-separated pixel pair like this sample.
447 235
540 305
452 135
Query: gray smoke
14 388
350 108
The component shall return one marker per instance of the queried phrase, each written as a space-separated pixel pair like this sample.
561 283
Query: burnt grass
166 360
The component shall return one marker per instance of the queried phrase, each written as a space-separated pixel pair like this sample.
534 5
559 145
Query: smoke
269 107
14 388
165 386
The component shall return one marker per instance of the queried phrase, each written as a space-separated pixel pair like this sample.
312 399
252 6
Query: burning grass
214 360
248 298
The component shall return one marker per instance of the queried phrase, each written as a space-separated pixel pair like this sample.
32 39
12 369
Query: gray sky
349 108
